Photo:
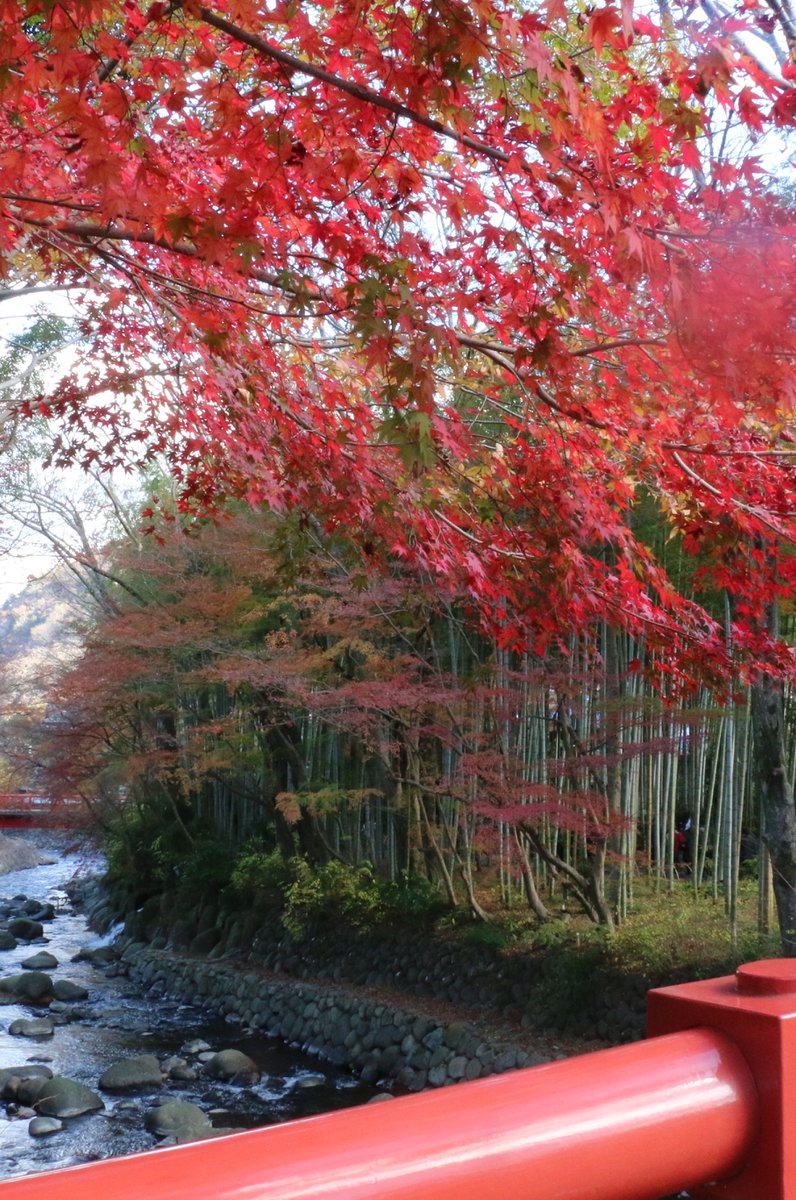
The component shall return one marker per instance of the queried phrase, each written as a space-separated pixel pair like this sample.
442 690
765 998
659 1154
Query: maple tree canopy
468 280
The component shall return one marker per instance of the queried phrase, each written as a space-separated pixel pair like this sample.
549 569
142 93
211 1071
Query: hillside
37 633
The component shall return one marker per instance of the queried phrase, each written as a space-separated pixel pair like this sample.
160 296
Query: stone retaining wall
572 994
588 1001
373 1040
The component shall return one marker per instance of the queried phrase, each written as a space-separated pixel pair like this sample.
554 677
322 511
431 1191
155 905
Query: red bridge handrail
638 1121
32 802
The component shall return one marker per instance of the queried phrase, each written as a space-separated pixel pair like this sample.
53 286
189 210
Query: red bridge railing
709 1105
32 808
31 802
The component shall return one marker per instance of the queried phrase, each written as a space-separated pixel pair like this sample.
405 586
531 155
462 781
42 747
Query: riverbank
137 991
20 854
414 1047
560 994
89 1065
417 1010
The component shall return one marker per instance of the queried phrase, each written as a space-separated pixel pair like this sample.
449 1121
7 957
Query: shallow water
119 1023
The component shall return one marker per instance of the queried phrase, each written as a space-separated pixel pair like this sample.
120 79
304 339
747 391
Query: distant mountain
38 632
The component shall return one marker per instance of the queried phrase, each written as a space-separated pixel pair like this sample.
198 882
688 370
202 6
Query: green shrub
332 892
411 898
151 854
258 875
206 867
569 977
143 849
487 935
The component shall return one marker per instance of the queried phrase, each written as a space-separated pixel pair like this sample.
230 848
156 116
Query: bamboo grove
247 685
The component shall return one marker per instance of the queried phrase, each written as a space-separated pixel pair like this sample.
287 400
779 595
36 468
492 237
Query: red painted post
756 1008
627 1124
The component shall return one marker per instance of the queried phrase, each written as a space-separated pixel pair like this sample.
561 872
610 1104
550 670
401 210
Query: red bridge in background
27 809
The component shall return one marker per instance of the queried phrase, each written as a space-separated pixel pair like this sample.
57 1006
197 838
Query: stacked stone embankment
374 1039
198 943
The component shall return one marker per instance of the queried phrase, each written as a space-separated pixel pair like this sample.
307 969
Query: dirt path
489 1023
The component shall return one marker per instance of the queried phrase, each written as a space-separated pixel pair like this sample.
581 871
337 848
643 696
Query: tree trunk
777 802
436 850
535 902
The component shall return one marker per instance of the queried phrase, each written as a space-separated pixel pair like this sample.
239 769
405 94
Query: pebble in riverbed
66 1098
29 987
44 1126
12 1079
25 929
65 990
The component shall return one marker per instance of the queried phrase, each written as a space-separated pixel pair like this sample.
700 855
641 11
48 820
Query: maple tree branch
359 91
65 252
21 198
38 289
710 452
739 504
184 287
90 232
787 19
616 344
502 361
579 352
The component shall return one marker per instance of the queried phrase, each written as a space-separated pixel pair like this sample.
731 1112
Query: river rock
30 1090
32 1028
142 1071
179 1070
306 1082
25 1071
13 1078
174 1060
8 986
44 1126
178 1119
98 956
25 929
67 1098
7 940
184 1074
66 991
233 1066
197 1046
64 1013
43 961
35 987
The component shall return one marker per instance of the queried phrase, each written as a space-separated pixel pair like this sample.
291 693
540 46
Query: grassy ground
673 932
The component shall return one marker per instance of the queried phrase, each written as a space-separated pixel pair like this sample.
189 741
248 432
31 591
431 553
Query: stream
117 1022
